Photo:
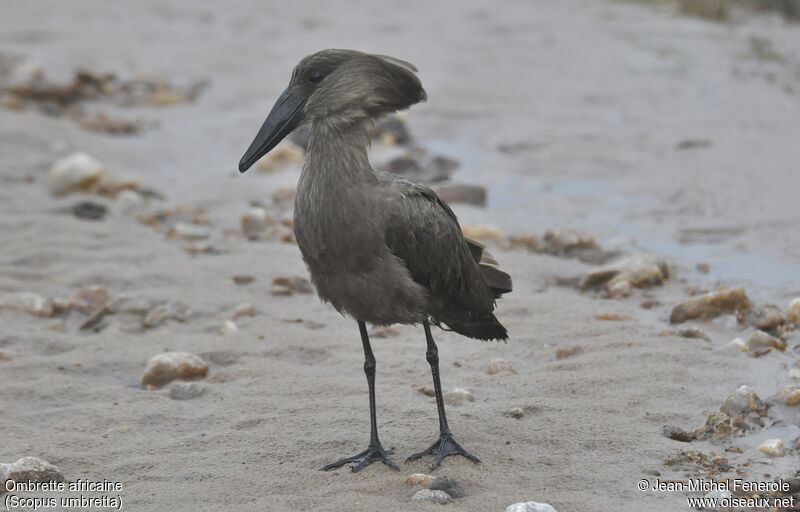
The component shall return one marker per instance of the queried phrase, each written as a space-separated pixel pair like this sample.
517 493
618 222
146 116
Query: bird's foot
444 446
363 459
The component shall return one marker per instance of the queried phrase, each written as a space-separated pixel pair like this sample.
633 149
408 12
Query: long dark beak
282 119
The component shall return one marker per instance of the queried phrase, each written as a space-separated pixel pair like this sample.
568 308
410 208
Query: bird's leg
446 444
374 450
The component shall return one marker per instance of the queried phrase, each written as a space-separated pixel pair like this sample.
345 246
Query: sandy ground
569 112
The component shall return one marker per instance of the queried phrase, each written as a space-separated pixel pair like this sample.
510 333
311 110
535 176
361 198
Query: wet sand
570 114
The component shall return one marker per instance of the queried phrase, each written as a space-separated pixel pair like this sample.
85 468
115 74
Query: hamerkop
379 248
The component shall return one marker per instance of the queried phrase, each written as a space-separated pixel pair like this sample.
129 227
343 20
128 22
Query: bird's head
340 86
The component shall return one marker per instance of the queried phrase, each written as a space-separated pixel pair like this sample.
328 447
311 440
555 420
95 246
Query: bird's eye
315 77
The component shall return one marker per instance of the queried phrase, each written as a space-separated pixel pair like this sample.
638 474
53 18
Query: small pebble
794 373
711 305
790 395
242 279
738 344
257 223
768 318
417 479
760 341
89 210
515 412
718 494
743 401
772 447
164 368
439 497
31 303
78 171
188 231
678 434
793 311
228 326
164 312
186 390
245 309
129 202
29 469
564 352
693 332
530 506
458 396
499 365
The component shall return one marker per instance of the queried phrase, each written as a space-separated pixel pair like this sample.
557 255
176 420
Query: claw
364 459
444 446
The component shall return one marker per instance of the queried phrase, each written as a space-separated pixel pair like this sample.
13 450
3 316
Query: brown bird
379 248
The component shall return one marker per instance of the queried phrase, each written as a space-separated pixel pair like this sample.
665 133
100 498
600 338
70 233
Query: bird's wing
424 232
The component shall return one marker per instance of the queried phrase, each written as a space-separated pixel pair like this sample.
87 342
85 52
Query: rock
743 401
678 434
684 457
760 341
738 344
29 469
790 395
772 447
228 326
565 241
794 373
499 365
564 352
284 286
420 166
515 412
483 233
711 305
164 312
284 154
458 396
129 203
89 210
164 368
718 426
530 506
793 311
186 390
242 279
452 193
530 242
257 224
31 303
439 497
187 231
425 390
703 267
448 485
642 271
612 317
417 479
693 332
89 300
245 309
768 318
78 171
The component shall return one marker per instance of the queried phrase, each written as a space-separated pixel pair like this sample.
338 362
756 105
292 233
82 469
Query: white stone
257 223
435 496
738 344
793 312
772 447
129 202
717 494
169 366
794 373
530 506
76 171
228 327
29 468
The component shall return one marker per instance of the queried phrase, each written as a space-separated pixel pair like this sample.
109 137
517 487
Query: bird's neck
337 153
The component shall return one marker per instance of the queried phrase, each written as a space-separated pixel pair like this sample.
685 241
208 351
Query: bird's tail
484 327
